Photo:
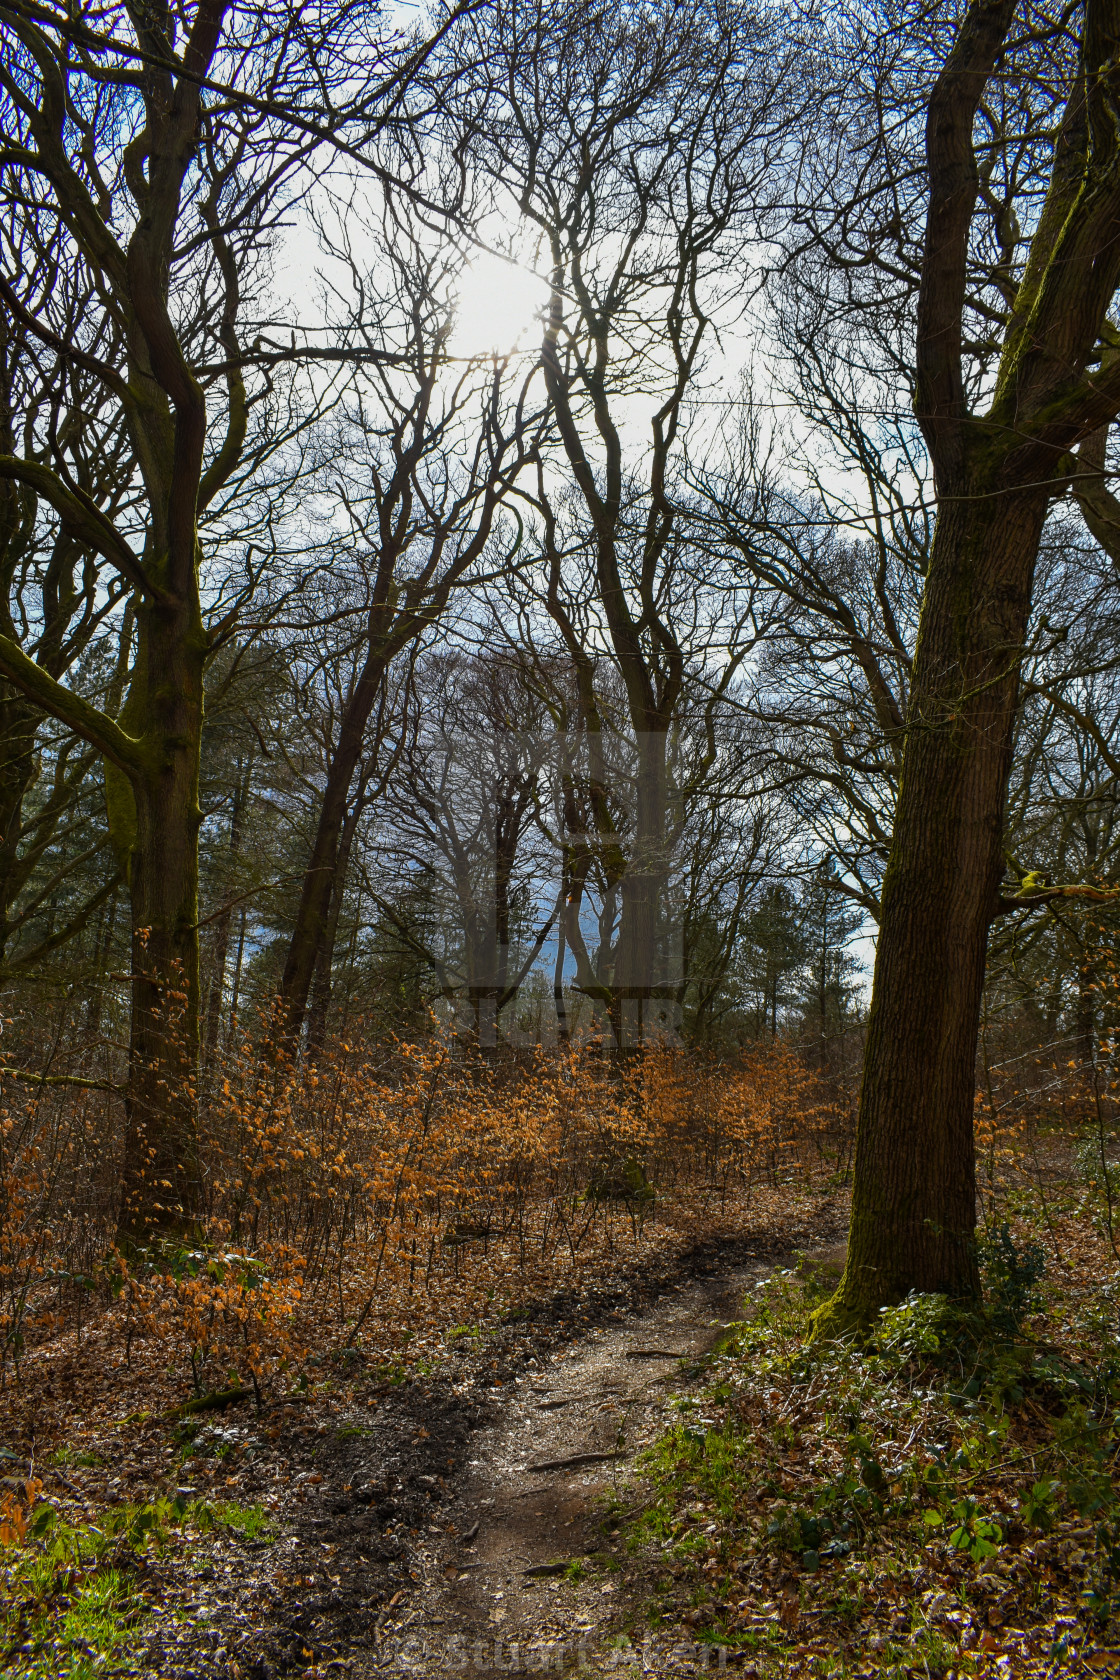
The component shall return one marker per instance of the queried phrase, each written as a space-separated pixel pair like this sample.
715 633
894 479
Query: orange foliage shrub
231 1316
15 1510
384 1186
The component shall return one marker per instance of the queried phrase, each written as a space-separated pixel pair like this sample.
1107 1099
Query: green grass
73 1598
69 1603
102 1616
67 1457
462 1332
250 1521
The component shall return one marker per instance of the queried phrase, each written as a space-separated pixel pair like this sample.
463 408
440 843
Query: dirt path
538 1485
407 1520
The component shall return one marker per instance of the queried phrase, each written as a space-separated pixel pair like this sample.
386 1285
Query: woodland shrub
377 1174
340 1193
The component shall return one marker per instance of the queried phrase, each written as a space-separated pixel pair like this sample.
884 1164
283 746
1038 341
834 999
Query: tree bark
225 921
913 1206
913 1209
160 1182
314 905
641 973
324 962
102 944
19 725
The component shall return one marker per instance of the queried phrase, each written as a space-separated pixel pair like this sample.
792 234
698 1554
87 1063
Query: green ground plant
74 1597
950 1454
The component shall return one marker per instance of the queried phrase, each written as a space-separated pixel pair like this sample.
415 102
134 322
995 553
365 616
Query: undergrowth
344 1193
944 1494
74 1596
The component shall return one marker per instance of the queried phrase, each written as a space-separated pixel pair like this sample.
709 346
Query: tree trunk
322 866
324 962
563 1030
222 930
235 996
160 1192
19 724
640 973
914 1199
102 946
217 991
1084 1013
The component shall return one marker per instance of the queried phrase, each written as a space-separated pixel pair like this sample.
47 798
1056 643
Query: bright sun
498 307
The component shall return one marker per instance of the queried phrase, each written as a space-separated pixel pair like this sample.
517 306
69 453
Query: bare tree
431 444
461 812
158 150
637 152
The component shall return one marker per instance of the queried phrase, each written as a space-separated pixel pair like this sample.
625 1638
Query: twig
63 1079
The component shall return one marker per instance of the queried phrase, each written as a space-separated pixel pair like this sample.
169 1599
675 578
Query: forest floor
641 1477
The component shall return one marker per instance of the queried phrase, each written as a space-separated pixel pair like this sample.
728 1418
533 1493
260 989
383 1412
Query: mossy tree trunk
913 1211
914 1204
151 751
162 191
160 1187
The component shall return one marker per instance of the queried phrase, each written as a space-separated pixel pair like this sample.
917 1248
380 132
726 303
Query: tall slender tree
638 150
158 147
